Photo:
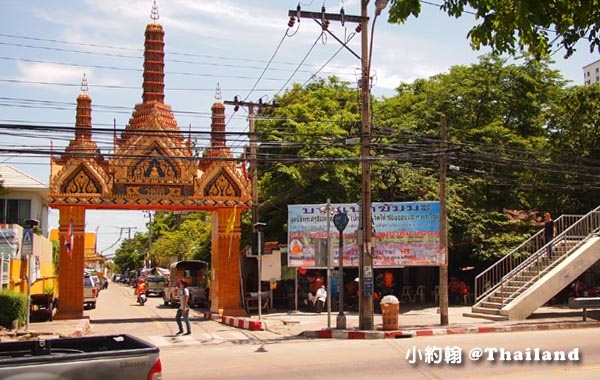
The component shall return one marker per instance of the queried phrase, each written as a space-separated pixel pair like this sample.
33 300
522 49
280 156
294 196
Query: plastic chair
419 294
406 294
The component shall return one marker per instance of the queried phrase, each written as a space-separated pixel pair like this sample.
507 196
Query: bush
13 306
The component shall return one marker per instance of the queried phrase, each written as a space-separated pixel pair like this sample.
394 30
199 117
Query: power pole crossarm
327 16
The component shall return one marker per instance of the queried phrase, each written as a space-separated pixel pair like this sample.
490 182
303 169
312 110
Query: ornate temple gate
153 168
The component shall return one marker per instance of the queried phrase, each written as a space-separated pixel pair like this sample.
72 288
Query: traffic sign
27 244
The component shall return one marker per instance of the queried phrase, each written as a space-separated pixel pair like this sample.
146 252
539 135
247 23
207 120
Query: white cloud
49 72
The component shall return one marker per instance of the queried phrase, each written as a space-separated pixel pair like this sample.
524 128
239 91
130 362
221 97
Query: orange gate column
70 275
225 263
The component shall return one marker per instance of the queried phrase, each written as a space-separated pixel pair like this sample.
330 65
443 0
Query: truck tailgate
111 357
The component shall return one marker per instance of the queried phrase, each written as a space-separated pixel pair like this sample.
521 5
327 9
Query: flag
69 239
231 222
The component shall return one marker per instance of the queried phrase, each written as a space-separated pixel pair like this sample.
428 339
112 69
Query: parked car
155 284
97 283
90 292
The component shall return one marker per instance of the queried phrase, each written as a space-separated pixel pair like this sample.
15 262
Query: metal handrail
572 238
488 280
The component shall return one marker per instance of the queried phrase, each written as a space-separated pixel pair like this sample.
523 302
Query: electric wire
300 63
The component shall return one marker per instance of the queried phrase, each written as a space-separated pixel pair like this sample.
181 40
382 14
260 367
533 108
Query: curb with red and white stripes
250 324
241 323
358 334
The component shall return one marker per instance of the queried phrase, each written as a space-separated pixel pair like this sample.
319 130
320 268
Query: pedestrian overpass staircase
527 277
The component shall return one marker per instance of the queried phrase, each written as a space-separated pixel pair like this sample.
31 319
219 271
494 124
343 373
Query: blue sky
242 46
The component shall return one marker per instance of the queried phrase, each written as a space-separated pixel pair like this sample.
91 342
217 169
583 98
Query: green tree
130 255
520 25
574 127
496 123
184 237
304 156
3 190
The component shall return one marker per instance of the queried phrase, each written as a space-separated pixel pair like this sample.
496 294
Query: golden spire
154 63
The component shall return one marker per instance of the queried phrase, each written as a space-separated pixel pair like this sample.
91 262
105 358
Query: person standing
549 232
184 309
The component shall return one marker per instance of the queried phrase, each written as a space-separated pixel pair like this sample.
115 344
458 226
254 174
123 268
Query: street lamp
340 220
366 257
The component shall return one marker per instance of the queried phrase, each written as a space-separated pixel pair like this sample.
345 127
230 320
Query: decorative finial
84 84
154 13
218 92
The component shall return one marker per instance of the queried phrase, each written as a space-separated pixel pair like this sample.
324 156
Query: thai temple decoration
153 168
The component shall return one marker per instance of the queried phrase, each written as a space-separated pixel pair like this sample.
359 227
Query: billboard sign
404 234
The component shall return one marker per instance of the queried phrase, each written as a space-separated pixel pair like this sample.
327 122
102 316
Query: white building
27 198
591 73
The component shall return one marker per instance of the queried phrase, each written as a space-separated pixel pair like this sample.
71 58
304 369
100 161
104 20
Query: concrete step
486 316
490 305
485 310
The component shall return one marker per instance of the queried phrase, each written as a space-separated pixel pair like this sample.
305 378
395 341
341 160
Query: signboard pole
340 220
27 252
328 212
260 227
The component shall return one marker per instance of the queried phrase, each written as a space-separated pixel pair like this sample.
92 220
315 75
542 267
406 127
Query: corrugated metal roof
16 179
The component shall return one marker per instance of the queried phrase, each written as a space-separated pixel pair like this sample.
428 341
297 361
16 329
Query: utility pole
365 270
258 228
443 287
128 229
252 135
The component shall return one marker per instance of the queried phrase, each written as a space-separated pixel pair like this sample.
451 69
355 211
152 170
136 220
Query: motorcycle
141 299
140 291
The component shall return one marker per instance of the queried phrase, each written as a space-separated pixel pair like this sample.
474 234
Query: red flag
69 239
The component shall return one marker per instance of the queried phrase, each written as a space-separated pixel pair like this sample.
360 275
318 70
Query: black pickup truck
104 357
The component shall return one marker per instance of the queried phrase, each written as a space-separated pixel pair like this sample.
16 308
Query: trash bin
390 308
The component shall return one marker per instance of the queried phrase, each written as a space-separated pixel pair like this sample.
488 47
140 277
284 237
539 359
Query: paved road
217 351
118 312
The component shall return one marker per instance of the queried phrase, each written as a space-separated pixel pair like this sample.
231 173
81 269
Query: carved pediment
81 181
222 185
155 167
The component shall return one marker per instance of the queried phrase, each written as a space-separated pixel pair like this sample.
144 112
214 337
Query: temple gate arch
153 168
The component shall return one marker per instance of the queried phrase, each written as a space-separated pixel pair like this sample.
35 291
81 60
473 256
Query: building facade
26 199
591 73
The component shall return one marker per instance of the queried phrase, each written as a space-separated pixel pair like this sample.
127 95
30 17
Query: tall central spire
154 61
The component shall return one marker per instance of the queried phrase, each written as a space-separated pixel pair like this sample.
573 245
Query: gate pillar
225 262
70 271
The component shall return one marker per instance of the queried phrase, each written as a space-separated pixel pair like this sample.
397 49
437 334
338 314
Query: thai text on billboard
404 233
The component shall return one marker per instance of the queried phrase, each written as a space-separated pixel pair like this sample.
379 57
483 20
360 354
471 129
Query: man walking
184 309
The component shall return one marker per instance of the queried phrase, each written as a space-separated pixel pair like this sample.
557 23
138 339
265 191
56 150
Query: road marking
200 338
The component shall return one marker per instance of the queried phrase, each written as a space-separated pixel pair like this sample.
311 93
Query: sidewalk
413 321
66 328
